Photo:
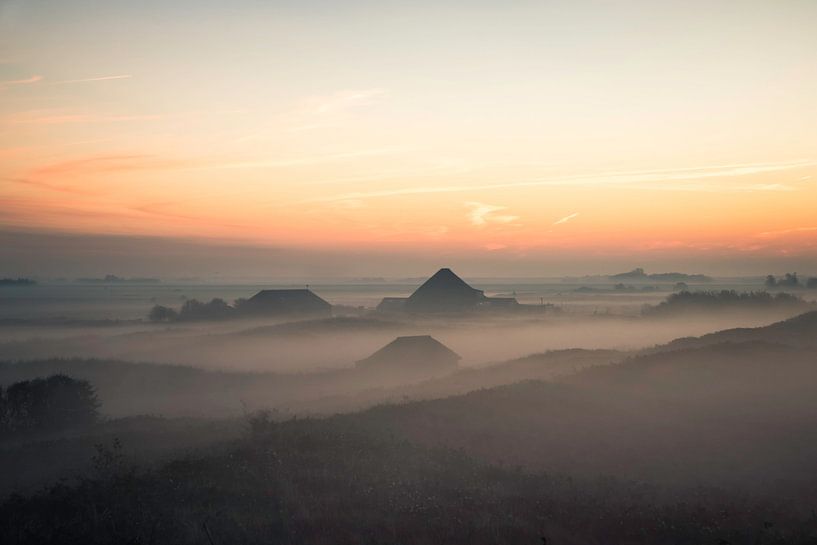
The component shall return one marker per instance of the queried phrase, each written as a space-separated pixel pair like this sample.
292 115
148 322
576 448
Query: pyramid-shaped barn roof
444 292
420 351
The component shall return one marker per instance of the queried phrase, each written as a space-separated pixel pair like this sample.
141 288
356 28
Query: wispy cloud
103 164
343 100
481 214
59 116
565 219
783 232
316 112
37 79
60 119
74 176
27 81
311 160
770 187
99 78
59 188
684 179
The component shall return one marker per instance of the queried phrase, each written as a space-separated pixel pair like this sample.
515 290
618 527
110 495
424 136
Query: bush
193 310
52 403
789 280
314 482
162 314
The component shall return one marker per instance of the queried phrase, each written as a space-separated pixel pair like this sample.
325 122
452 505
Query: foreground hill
708 444
332 481
799 331
736 412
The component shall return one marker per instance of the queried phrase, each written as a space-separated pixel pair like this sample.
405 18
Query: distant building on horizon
287 302
416 355
444 292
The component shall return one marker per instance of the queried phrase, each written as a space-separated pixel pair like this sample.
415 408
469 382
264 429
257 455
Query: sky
548 137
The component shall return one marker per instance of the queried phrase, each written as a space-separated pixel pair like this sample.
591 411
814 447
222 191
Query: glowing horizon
570 127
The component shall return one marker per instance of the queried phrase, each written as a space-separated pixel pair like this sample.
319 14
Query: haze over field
432 273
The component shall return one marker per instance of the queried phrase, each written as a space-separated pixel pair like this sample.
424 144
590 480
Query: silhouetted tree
52 403
681 286
193 309
217 309
163 314
789 280
771 281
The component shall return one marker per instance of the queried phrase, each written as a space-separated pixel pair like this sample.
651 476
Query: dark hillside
737 413
328 482
800 331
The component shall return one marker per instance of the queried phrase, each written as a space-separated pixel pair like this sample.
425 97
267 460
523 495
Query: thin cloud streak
103 164
328 158
26 81
773 234
41 117
344 100
80 118
43 176
655 180
49 186
565 219
100 78
38 79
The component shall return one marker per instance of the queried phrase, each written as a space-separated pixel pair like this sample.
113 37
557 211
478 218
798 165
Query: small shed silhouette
288 302
418 354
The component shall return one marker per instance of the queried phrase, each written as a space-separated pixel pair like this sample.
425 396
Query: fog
336 343
610 401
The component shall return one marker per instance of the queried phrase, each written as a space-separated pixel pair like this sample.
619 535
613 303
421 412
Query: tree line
790 280
193 309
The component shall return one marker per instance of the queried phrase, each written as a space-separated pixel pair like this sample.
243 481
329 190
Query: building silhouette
445 292
287 302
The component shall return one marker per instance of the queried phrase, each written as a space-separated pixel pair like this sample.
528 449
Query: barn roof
415 349
286 298
444 291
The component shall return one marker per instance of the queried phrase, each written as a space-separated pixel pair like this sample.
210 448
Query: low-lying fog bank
700 440
148 388
336 343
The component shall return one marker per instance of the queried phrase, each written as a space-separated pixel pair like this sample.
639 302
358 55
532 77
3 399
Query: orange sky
684 128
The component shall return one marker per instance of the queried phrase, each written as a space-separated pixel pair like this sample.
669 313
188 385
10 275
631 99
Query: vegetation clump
47 404
696 301
322 482
789 280
193 310
17 282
